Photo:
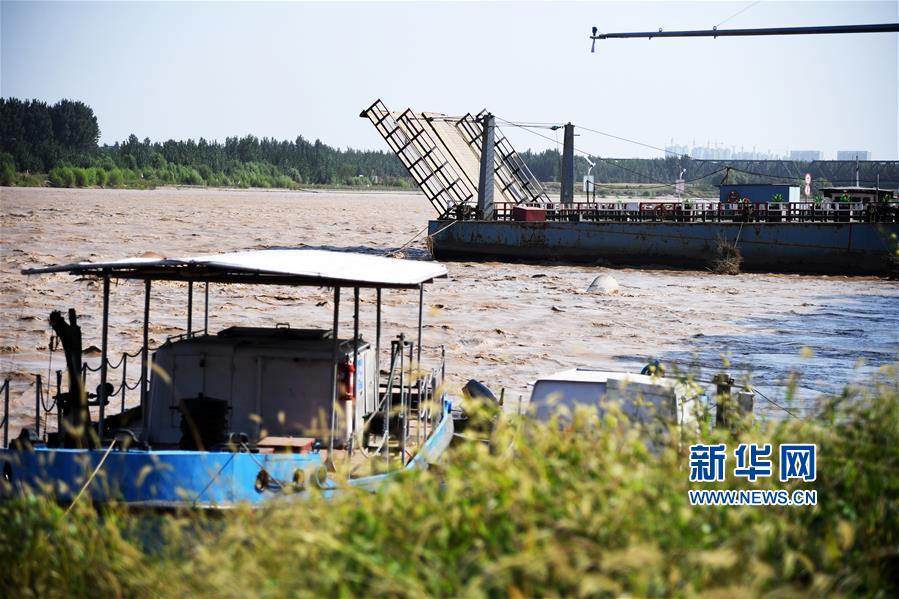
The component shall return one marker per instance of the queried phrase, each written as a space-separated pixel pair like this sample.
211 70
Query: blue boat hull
168 479
826 248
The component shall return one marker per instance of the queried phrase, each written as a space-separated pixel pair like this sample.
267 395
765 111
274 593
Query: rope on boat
473 439
775 404
91 477
40 394
110 364
213 479
399 251
262 466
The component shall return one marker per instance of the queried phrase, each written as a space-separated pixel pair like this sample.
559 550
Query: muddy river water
503 324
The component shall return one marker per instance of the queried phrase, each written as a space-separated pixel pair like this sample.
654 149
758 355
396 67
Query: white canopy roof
272 267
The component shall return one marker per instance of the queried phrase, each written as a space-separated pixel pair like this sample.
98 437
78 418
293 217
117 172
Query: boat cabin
269 382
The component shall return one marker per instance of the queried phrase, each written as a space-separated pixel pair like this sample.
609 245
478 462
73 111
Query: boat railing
707 211
383 402
46 403
405 375
123 387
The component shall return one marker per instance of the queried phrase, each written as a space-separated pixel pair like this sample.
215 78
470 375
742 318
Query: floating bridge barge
792 238
491 207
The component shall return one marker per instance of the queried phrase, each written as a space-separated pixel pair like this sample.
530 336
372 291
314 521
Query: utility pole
485 176
567 195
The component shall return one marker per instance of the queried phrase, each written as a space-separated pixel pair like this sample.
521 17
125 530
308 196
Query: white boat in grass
643 398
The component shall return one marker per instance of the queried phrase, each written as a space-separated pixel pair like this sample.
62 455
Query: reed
594 507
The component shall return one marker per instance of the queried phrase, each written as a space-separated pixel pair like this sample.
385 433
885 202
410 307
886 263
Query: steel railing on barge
704 212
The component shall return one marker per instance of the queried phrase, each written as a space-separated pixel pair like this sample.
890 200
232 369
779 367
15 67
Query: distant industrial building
853 155
718 152
805 155
677 150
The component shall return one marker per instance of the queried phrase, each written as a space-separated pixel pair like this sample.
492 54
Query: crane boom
715 32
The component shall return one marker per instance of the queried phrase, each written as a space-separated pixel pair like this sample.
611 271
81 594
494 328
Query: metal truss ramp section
425 156
514 180
442 154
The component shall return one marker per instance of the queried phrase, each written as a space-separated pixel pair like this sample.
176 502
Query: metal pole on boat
378 349
421 300
190 308
206 311
145 358
407 414
723 383
402 350
104 357
124 379
353 404
6 413
59 406
389 404
378 371
418 369
37 406
335 346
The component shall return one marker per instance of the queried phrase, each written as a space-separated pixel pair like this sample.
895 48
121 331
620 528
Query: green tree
7 169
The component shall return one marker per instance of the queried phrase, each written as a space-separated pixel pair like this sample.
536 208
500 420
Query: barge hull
817 248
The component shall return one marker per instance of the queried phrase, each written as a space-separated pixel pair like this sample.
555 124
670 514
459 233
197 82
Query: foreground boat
246 414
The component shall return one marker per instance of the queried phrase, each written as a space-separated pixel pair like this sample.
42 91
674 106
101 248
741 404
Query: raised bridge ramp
442 154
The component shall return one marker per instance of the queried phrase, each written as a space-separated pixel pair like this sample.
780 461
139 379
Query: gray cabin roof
270 267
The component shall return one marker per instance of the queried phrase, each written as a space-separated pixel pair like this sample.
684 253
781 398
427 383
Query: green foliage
597 507
100 176
777 198
29 180
48 553
41 137
62 176
7 169
84 177
116 178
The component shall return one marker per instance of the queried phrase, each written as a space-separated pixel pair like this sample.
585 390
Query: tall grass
594 507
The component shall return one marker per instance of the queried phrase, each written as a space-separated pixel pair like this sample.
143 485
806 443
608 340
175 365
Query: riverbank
587 510
90 181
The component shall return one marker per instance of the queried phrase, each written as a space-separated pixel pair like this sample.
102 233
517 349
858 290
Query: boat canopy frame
290 267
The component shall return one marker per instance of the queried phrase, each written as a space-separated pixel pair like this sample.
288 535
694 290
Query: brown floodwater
503 324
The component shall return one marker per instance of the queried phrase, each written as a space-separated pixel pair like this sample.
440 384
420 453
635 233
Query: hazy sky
213 69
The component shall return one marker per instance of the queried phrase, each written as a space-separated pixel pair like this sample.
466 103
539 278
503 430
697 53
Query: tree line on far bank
58 145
